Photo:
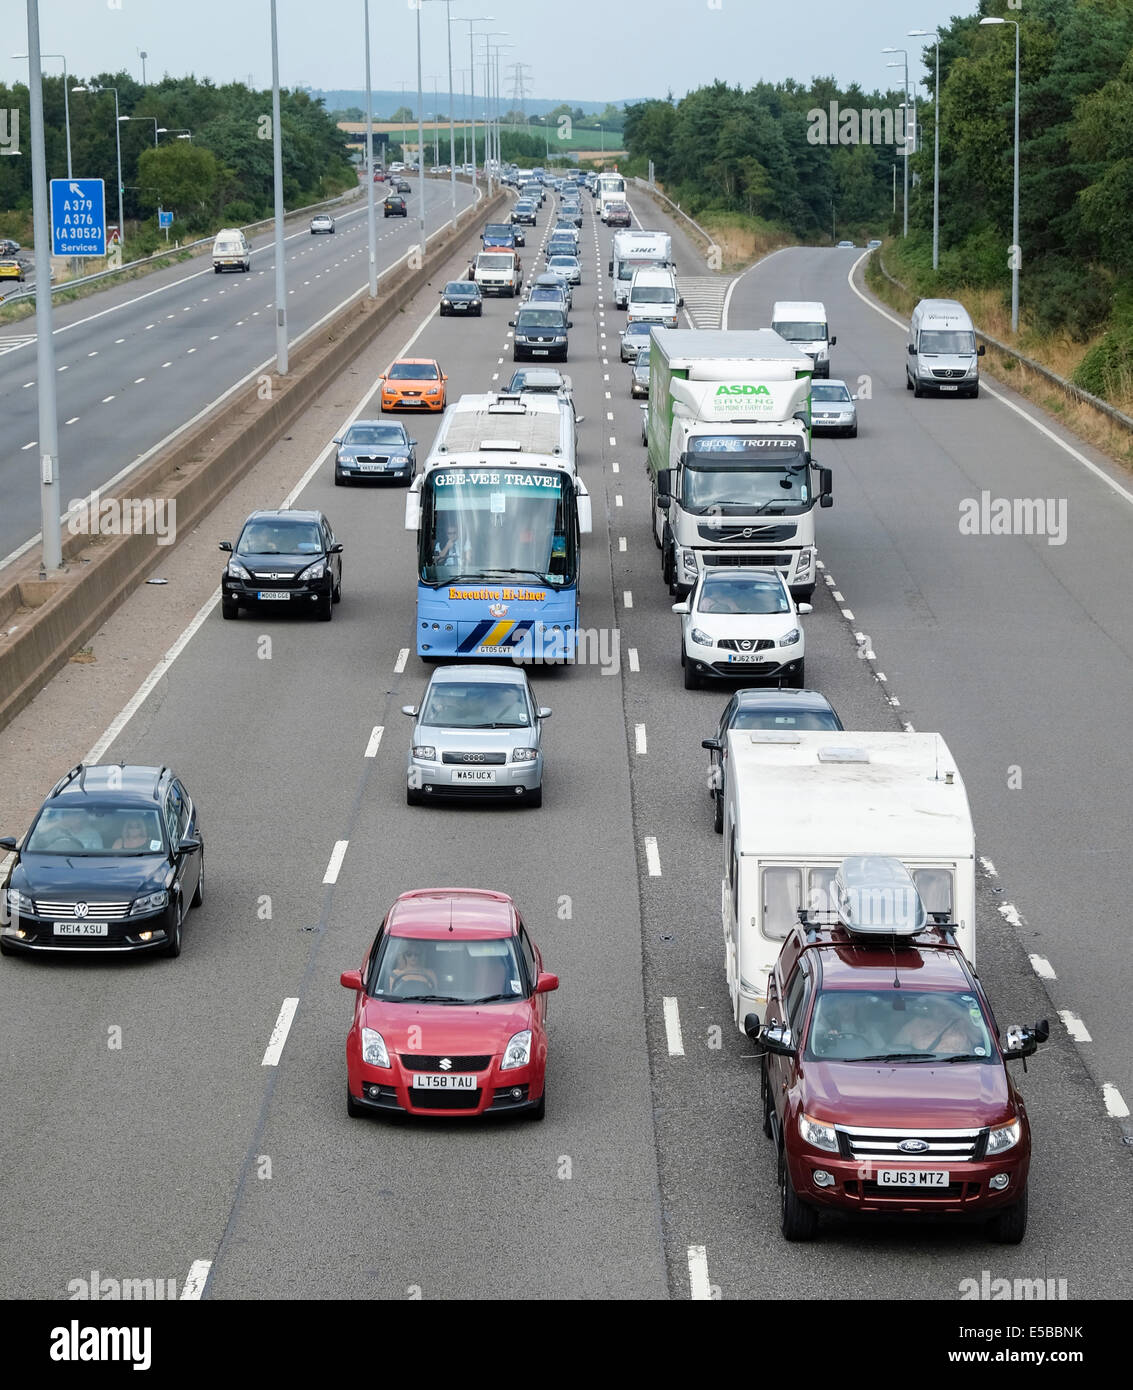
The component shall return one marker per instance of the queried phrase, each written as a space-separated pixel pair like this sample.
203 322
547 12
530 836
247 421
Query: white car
741 623
322 222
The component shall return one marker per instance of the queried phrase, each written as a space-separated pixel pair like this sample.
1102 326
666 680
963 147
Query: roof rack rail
77 771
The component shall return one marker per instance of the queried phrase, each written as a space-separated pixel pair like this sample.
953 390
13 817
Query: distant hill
386 103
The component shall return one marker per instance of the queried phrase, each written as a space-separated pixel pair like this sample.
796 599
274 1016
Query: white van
803 323
942 352
230 250
632 251
797 804
653 297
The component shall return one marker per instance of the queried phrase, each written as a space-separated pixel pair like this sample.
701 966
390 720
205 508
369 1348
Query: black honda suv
112 861
282 557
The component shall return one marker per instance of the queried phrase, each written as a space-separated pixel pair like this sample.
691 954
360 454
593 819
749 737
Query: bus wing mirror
585 514
413 512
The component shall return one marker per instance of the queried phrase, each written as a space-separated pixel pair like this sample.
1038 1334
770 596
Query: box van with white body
803 323
230 250
611 189
942 352
797 804
633 251
653 297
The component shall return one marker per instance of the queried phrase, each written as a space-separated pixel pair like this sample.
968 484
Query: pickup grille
880 1145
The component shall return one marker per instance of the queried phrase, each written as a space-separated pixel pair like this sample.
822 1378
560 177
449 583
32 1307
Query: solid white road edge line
279 1033
673 1036
338 854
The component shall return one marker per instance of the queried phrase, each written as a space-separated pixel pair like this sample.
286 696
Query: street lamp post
180 131
371 210
66 100
470 21
928 33
277 174
118 152
905 54
49 489
1015 250
143 118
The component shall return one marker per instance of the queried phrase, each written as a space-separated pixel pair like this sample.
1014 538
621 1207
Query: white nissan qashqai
741 623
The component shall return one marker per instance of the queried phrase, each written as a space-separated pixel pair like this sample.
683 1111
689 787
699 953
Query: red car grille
445 1100
418 1061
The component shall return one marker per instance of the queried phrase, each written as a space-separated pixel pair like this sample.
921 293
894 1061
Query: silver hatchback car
833 408
478 736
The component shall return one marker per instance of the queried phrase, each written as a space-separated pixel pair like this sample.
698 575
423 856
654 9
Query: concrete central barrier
45 619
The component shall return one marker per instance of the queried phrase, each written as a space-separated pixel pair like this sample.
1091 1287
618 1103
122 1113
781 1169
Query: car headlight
789 639
19 902
433 391
518 1051
374 1052
702 639
524 755
446 303
817 1134
152 902
425 752
805 565
315 571
237 571
1003 1138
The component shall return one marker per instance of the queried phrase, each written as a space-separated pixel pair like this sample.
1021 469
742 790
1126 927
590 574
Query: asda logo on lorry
741 388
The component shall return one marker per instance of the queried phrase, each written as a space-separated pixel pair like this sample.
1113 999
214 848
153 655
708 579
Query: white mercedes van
230 250
942 352
803 323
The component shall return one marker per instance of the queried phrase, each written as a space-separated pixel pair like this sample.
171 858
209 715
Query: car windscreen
736 593
461 289
90 830
447 971
413 371
563 262
653 294
829 391
363 436
732 475
539 318
784 719
278 537
490 262
801 332
908 1024
955 341
475 705
498 229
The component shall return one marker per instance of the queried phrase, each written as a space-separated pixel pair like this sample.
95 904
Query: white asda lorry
632 250
728 433
797 804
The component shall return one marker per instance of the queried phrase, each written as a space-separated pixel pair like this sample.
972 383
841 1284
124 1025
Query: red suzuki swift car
450 1010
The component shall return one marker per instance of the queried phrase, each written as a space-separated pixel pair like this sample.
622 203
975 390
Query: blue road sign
78 217
164 219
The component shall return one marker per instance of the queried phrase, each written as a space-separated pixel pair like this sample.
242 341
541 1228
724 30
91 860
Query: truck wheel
797 1221
1010 1226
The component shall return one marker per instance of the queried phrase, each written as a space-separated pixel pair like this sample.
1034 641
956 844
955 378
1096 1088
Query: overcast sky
590 50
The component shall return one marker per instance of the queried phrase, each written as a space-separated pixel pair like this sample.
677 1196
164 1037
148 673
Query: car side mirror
225 545
7 842
570 323
980 350
189 845
410 709
751 1026
776 1037
804 608
511 323
680 303
546 982
351 979
912 350
713 746
833 342
413 443
335 549
543 712
682 607
338 438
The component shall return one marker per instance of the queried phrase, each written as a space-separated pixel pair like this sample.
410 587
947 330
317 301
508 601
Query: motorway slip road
138 360
649 1178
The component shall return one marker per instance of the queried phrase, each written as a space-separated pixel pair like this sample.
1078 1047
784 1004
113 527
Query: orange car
414 383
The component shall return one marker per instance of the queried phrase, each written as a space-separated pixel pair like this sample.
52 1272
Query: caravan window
780 901
820 895
935 888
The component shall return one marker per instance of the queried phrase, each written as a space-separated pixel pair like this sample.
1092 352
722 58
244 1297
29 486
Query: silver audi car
478 735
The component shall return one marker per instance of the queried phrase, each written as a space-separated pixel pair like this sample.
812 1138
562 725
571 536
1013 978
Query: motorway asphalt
181 1146
136 361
